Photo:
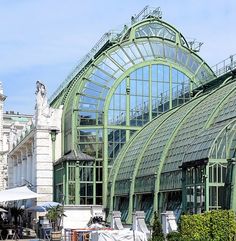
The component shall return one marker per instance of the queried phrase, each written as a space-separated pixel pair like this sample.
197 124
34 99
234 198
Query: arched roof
151 39
179 136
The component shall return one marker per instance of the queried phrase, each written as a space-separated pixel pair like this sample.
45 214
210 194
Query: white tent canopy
18 193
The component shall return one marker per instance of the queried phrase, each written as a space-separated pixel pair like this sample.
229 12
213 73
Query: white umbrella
18 193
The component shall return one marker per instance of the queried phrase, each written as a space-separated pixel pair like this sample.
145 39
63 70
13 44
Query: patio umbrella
3 210
18 193
36 209
43 207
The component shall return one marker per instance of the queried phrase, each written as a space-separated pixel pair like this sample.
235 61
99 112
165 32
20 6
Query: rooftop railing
225 66
146 12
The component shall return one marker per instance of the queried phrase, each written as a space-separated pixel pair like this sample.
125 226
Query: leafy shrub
174 236
218 225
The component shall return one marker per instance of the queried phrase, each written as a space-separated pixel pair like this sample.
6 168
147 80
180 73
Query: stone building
2 153
33 150
9 120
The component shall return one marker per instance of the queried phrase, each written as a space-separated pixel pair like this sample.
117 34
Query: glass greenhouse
145 75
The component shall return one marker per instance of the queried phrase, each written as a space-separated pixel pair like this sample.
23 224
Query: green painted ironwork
213 112
87 95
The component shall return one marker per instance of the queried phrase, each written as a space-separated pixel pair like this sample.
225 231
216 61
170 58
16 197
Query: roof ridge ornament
195 45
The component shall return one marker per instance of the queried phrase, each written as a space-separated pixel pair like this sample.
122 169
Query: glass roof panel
170 52
107 69
89 100
98 79
154 151
142 49
91 92
155 30
117 57
148 48
94 86
103 75
193 64
157 49
200 147
111 64
228 111
129 52
182 56
86 106
193 125
135 51
192 139
128 164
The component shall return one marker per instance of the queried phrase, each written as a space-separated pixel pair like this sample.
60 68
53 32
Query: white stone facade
10 121
30 159
2 153
13 124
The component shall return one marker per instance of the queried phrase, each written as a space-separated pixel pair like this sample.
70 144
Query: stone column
11 171
19 161
23 165
29 164
14 171
26 167
43 162
33 166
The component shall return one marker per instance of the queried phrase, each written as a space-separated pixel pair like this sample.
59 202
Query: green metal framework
141 73
184 159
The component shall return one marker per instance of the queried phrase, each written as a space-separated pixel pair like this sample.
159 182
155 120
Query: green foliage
55 215
16 213
218 225
174 236
157 233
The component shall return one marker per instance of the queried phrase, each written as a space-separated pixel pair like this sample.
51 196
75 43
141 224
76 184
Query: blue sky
44 39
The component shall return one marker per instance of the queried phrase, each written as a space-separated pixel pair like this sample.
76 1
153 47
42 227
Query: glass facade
129 82
184 158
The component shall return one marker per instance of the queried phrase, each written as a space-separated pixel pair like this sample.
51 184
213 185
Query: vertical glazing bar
77 183
207 188
170 87
64 181
127 106
105 161
150 93
195 190
67 183
94 183
184 193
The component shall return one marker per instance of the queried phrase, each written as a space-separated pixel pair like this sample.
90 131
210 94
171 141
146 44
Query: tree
17 214
157 233
55 214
